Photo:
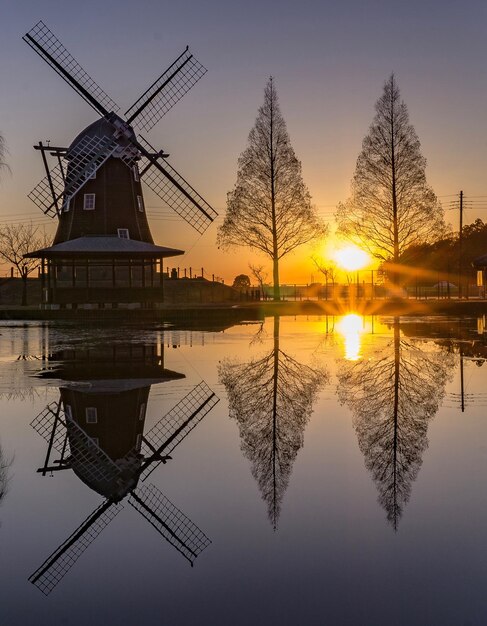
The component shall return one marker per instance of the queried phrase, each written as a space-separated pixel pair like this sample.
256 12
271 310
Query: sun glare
352 258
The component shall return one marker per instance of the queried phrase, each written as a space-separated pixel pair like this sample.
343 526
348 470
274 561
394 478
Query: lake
304 470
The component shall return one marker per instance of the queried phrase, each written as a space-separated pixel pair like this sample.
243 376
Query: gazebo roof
104 246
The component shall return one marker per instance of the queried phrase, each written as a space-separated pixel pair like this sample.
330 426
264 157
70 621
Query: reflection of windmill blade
169 521
44 424
176 192
61 560
42 194
171 429
87 156
86 455
163 94
47 46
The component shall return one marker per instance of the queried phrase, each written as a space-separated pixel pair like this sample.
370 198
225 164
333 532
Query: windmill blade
57 565
97 468
175 426
47 46
86 158
47 193
168 89
173 189
169 521
45 422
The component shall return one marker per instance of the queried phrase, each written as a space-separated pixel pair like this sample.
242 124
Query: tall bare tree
16 240
391 206
392 396
269 208
271 398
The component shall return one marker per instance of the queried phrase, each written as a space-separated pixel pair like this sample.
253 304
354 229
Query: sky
329 61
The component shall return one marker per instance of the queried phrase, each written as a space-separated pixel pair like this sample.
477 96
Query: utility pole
460 249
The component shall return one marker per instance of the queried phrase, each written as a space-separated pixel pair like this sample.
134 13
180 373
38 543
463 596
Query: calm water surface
306 471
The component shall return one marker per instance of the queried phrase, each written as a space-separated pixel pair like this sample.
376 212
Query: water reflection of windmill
97 430
103 251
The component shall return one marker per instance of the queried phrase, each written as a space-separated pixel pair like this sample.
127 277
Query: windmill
117 479
95 188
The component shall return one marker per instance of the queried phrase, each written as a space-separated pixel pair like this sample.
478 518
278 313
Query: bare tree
392 396
260 275
269 208
17 240
329 271
391 206
271 398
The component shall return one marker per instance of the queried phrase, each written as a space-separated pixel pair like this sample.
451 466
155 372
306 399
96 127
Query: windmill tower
97 429
103 253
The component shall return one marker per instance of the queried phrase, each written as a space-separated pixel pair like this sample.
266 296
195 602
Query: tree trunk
24 290
395 226
275 273
274 418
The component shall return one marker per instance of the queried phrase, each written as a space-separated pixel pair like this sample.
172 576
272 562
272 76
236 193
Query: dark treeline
442 258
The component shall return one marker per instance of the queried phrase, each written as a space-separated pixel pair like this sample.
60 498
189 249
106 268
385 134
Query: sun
352 258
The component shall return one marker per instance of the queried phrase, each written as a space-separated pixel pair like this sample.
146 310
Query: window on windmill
140 203
91 415
66 203
123 233
138 442
68 412
89 201
135 170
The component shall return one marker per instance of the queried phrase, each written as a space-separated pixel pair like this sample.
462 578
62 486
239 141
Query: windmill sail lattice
169 521
58 564
175 191
175 425
44 425
91 153
166 91
48 46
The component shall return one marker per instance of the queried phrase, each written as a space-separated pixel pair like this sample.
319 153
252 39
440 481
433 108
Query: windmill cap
98 129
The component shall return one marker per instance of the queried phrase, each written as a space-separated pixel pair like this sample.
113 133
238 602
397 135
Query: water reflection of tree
5 464
392 396
271 398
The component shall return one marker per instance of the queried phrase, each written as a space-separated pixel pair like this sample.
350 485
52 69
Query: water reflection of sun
351 327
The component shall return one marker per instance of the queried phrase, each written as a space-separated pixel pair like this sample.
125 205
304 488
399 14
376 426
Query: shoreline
253 311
